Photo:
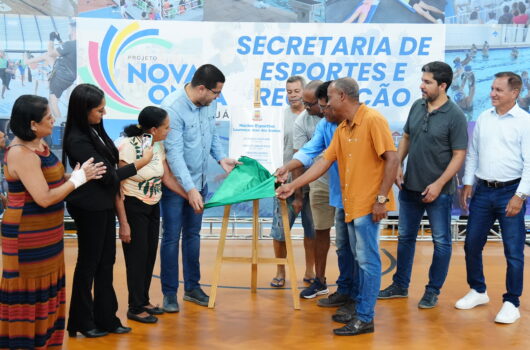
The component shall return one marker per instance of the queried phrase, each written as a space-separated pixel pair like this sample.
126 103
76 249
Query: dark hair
322 90
207 75
441 72
27 108
149 117
491 15
522 8
515 13
514 80
506 9
83 99
474 15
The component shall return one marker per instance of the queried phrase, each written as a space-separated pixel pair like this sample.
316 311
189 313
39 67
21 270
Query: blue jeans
179 217
411 209
488 204
348 280
364 242
277 232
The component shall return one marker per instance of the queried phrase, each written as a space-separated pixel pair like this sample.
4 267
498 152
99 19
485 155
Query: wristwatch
382 199
521 195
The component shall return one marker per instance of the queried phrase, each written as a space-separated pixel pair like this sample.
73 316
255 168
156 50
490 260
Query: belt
498 184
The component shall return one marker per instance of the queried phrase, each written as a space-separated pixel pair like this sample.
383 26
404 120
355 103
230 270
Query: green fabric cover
246 182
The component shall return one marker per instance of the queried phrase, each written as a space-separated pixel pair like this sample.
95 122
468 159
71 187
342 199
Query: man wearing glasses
323 213
299 202
347 282
435 140
192 138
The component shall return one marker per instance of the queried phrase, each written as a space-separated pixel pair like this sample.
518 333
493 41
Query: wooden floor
265 320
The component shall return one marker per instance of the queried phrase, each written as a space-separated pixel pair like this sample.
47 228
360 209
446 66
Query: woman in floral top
139 230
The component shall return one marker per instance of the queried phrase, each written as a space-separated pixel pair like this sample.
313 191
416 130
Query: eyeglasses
309 105
215 92
323 107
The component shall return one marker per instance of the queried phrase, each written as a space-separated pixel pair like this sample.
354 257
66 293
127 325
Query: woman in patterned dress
140 229
32 291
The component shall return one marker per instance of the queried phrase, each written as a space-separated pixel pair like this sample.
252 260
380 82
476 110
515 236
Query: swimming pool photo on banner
477 54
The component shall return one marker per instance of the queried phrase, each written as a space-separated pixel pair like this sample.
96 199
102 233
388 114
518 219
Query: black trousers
140 253
96 237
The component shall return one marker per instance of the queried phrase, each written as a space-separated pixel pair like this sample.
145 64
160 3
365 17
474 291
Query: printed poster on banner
258 133
138 63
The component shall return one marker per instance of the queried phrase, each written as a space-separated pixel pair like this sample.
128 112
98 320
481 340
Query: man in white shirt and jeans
498 162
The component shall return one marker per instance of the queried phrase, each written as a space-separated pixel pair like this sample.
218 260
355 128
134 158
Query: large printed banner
138 63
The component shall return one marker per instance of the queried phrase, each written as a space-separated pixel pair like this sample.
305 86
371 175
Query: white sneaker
472 299
508 314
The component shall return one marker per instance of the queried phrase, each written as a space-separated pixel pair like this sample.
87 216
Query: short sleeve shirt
357 146
146 185
288 126
304 128
433 138
67 62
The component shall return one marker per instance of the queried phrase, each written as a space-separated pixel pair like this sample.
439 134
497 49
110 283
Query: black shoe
121 330
333 300
348 308
393 291
145 319
154 310
355 327
343 318
345 313
197 296
91 333
428 301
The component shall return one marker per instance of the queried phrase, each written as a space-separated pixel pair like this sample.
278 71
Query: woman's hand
148 153
86 172
125 232
93 170
146 158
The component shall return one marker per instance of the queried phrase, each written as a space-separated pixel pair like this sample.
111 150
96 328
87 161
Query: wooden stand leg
255 233
290 256
219 258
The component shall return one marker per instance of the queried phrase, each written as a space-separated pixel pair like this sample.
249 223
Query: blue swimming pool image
318 16
484 69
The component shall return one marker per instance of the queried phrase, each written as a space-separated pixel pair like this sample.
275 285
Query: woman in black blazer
93 208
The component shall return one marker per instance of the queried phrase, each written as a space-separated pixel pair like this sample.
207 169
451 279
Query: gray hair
349 86
294 79
313 85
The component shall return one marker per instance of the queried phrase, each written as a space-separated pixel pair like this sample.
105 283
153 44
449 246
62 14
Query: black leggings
140 253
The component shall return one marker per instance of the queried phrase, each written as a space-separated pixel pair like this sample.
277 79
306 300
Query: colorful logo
102 61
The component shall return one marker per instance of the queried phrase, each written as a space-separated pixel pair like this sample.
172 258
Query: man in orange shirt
367 159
